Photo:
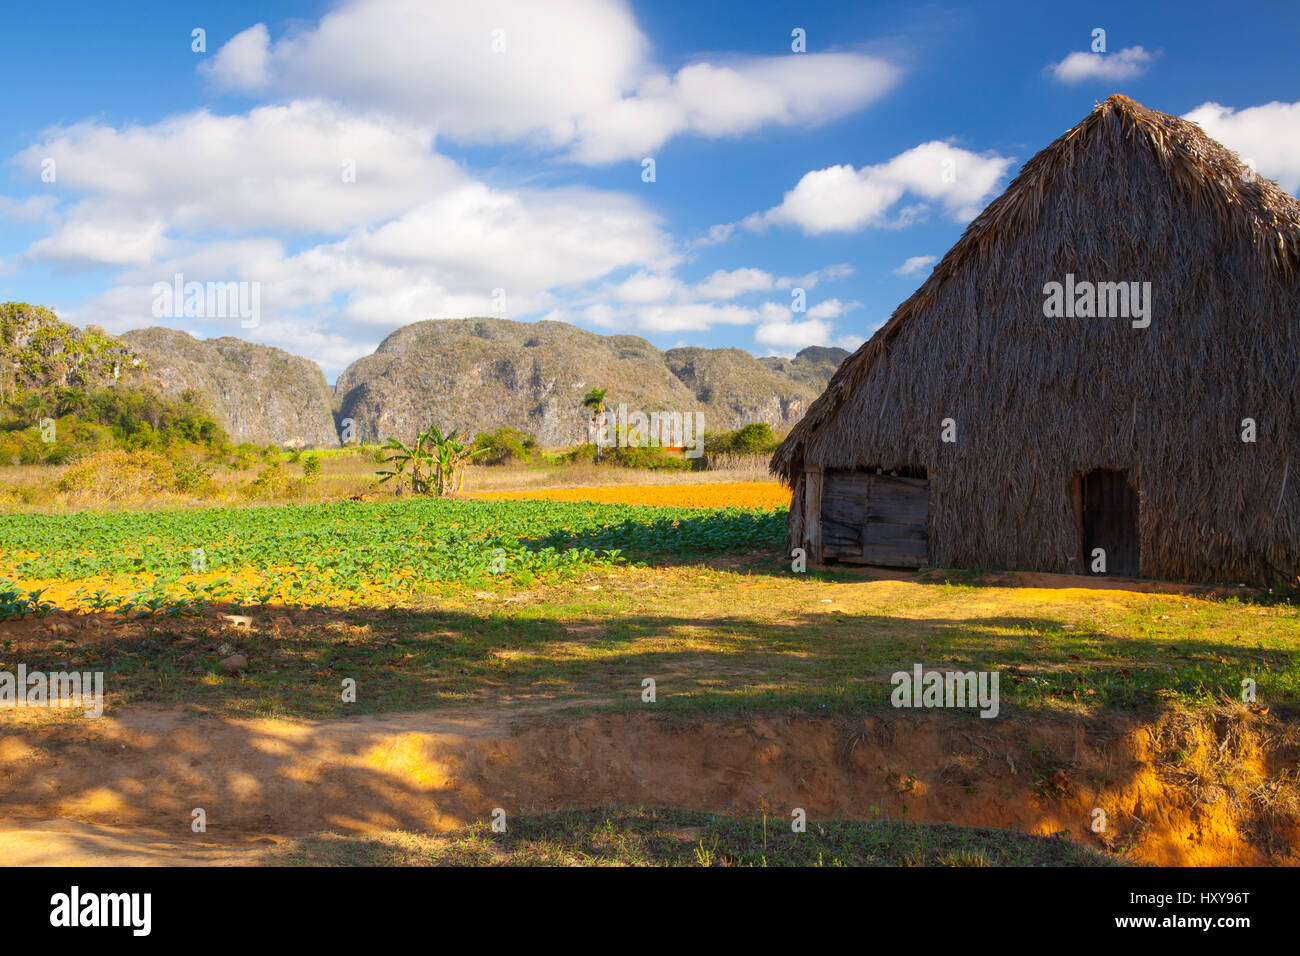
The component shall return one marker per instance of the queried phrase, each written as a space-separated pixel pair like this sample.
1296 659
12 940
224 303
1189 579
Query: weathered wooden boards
813 511
875 519
844 512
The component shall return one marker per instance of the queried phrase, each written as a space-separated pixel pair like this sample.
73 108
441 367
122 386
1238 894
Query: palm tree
595 400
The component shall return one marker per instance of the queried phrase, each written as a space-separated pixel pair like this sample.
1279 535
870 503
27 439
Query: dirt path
69 843
125 789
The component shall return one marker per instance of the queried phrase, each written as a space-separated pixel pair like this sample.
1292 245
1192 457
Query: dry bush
1229 756
108 477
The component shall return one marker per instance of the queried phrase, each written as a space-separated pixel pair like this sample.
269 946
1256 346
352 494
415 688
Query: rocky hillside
814 366
478 374
733 388
38 351
472 374
258 393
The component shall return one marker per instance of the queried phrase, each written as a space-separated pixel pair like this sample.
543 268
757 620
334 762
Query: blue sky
502 172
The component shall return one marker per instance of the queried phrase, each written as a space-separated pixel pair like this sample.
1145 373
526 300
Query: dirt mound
1179 789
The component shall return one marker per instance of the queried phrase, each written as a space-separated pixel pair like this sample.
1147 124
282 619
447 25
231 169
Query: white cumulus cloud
792 336
727 285
914 264
1081 67
1267 135
276 167
844 199
570 74
832 309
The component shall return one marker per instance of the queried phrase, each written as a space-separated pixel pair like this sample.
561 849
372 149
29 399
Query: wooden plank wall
813 512
896 533
875 519
844 512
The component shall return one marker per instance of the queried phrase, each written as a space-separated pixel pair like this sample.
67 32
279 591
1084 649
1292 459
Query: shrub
754 439
311 467
20 494
90 420
651 458
505 445
113 475
274 483
244 457
271 482
375 453
579 455
194 477
622 457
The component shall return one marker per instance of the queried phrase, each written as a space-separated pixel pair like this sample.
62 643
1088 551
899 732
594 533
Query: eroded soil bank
1183 789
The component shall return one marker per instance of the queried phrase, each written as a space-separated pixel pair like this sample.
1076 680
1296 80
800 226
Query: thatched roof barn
998 420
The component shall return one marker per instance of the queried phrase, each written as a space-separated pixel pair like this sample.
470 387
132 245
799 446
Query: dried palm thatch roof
1128 194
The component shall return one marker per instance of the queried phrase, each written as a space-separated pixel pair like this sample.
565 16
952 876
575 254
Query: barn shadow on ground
297 663
756 546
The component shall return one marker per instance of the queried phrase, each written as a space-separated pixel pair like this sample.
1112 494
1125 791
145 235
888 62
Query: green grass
594 599
686 838
743 639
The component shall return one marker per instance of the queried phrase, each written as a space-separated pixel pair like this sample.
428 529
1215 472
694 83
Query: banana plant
454 454
403 455
436 460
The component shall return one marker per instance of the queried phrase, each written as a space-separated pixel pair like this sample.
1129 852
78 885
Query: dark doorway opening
1110 522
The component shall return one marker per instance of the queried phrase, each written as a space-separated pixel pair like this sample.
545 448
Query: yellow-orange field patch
738 494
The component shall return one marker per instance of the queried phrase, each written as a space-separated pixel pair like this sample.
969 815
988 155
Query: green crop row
357 548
